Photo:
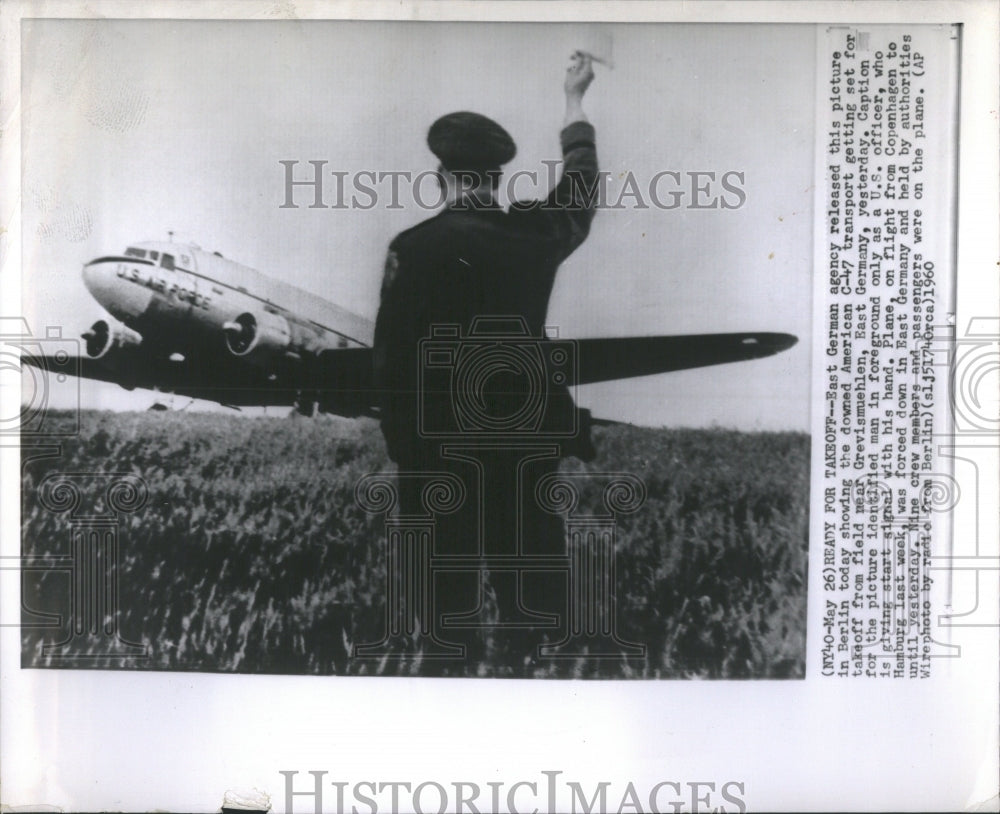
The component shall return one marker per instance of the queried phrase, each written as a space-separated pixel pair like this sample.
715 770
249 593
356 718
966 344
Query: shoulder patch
391 271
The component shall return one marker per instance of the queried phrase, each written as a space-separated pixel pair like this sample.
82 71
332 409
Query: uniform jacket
474 260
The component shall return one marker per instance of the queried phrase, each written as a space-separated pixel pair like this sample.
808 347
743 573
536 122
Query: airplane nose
97 276
122 297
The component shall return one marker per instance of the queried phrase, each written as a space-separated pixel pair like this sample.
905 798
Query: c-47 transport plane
196 324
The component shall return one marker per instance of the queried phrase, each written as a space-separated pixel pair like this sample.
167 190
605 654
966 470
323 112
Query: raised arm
568 210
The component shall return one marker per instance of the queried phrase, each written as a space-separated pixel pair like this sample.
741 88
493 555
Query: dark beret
469 141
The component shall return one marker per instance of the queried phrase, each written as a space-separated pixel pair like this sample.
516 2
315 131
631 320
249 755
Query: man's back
470 263
475 260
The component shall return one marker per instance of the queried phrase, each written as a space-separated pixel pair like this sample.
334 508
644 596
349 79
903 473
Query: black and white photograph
465 407
422 349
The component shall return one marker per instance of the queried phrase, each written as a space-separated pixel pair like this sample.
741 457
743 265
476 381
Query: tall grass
251 554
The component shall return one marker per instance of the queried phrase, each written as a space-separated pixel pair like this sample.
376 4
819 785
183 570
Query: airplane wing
336 381
602 360
339 381
59 365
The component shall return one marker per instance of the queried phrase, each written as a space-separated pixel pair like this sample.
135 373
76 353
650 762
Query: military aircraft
196 324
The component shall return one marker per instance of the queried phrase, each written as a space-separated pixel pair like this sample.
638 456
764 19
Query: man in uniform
473 260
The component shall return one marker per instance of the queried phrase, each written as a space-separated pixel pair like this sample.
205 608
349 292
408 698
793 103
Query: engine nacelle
261 335
106 337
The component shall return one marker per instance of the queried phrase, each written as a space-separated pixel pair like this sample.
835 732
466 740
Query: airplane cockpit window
154 255
167 261
133 252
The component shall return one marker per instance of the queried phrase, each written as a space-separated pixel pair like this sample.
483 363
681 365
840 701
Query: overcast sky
132 128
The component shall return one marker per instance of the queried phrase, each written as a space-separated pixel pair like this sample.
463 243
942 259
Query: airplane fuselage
193 314
192 322
177 296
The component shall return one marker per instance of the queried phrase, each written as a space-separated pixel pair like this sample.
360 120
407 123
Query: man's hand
579 75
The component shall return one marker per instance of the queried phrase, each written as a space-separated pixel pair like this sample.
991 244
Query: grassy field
251 554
